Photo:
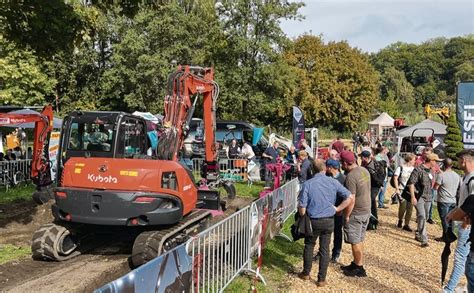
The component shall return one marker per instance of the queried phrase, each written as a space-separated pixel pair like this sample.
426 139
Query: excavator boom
43 127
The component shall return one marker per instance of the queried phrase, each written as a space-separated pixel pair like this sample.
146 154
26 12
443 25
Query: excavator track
150 244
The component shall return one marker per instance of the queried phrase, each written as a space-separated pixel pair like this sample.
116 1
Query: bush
453 139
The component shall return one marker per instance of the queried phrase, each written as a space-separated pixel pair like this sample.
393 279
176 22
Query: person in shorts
357 214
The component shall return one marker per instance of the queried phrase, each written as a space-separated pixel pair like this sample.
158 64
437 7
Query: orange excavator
40 165
108 177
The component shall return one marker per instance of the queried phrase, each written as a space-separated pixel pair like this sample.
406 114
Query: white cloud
371 25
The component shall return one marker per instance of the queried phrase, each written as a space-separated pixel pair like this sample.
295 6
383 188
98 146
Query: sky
373 24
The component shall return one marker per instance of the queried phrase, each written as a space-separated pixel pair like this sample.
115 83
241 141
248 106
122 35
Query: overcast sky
373 24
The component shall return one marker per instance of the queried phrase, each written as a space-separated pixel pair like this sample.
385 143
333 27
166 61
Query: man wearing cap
317 198
420 191
357 214
332 170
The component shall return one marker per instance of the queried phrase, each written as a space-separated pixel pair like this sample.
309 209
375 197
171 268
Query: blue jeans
443 210
433 195
460 256
382 193
470 272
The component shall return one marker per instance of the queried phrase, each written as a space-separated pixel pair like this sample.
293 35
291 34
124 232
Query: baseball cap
347 157
333 164
365 154
433 157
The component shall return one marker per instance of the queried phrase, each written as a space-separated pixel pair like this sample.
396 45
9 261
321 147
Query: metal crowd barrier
234 169
209 261
14 172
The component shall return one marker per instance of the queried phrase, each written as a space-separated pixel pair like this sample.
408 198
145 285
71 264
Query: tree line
100 55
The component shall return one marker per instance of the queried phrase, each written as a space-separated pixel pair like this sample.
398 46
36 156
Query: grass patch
17 193
245 190
10 252
279 258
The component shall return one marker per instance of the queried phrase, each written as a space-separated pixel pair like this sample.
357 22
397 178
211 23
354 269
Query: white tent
382 125
424 129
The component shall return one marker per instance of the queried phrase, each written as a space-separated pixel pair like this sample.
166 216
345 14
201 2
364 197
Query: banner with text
465 112
53 151
298 126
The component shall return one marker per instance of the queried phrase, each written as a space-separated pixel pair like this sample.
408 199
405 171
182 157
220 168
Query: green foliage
453 138
432 68
22 77
336 85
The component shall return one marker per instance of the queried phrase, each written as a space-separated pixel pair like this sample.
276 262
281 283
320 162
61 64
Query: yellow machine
443 112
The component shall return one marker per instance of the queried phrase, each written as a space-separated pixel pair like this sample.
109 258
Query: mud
84 273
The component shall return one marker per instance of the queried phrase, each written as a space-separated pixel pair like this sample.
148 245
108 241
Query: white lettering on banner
468 123
101 179
4 120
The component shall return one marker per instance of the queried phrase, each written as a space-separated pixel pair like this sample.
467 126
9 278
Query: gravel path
394 261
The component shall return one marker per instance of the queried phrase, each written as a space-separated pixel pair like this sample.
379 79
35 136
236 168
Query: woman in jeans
401 175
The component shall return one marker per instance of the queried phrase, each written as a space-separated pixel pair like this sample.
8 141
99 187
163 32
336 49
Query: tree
453 138
336 86
23 79
395 87
248 61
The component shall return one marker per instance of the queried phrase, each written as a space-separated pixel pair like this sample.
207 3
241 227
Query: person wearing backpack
382 156
399 181
377 177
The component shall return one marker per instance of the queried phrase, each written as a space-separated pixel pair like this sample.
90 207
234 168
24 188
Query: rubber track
44 244
148 245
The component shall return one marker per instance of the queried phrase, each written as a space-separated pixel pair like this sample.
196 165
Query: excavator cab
103 135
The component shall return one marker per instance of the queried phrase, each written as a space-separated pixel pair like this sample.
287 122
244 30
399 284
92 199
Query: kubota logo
101 179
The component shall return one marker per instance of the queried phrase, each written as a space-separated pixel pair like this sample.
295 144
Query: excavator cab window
90 136
132 138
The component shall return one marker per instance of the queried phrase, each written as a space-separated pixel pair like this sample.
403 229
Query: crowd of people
342 196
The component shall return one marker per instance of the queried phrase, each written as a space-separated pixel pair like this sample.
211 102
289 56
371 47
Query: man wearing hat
420 191
357 213
332 170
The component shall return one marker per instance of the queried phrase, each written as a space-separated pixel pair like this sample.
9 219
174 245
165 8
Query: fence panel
14 172
209 261
234 169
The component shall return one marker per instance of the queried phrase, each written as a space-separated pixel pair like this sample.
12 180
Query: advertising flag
298 126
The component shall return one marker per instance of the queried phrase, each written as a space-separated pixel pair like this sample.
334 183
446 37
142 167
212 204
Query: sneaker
321 283
303 276
430 221
425 244
400 222
418 238
407 228
349 267
439 239
357 272
383 207
335 259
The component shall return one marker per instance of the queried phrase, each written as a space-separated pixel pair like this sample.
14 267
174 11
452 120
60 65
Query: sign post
298 126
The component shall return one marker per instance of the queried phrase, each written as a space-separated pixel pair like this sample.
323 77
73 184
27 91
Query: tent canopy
383 120
56 121
424 128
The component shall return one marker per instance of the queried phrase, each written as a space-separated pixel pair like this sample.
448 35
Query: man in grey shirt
447 184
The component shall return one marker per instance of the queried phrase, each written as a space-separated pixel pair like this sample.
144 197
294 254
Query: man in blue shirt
317 199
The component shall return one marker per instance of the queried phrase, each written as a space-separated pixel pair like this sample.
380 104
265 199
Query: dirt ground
394 262
85 273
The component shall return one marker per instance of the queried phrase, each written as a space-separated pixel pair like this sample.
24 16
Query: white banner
53 151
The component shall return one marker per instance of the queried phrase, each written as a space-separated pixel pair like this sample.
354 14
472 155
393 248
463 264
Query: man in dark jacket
332 170
317 198
375 186
420 190
306 169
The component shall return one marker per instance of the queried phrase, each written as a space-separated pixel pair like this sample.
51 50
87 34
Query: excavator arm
185 83
43 126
